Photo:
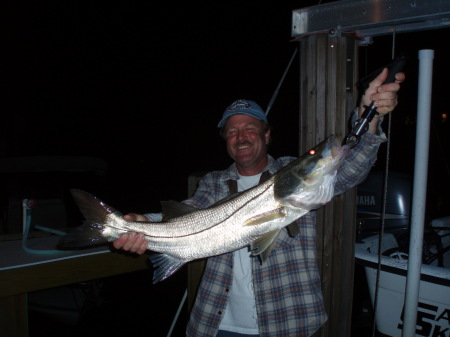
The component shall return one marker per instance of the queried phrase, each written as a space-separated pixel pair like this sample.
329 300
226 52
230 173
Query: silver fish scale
226 234
199 220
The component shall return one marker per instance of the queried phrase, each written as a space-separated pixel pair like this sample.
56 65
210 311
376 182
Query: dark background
142 86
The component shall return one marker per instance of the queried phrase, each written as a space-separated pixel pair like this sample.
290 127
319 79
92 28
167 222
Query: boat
385 269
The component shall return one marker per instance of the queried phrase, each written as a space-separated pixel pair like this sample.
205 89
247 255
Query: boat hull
433 316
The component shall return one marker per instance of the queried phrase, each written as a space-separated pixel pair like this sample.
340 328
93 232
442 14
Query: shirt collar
272 165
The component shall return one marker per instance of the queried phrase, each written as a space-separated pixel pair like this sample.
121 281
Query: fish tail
86 235
94 210
91 232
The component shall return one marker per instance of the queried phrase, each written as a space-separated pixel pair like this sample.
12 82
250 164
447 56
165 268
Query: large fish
254 217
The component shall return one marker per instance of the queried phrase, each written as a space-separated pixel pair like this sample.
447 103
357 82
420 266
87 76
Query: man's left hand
384 96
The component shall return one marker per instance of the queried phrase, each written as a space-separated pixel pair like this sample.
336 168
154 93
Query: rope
383 212
383 217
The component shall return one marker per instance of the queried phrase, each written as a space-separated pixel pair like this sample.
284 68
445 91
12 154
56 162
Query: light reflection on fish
254 217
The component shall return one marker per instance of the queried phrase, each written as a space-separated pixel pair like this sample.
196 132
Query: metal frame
362 20
366 18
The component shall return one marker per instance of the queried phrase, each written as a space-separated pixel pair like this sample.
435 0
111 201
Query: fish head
308 182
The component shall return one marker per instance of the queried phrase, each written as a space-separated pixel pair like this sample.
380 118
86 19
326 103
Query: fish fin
83 236
93 209
165 265
265 217
263 246
307 206
293 229
90 233
172 209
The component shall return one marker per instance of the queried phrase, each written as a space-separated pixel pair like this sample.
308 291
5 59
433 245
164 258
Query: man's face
246 142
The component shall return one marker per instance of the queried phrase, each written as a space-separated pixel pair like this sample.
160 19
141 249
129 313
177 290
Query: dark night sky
143 84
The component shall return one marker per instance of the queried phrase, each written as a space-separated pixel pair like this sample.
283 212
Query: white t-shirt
240 314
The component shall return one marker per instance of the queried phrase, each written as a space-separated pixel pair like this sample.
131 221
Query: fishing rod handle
362 124
395 67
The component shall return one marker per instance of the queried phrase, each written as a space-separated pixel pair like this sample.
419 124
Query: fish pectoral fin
259 219
263 246
165 265
172 209
293 229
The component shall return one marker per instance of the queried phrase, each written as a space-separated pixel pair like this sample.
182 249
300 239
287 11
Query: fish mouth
344 149
337 151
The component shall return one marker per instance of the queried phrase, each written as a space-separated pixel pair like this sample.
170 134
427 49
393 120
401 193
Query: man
238 296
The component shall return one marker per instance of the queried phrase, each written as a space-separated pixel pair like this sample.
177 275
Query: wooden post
195 268
14 315
327 97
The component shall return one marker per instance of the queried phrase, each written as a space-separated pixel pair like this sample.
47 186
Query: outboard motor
370 204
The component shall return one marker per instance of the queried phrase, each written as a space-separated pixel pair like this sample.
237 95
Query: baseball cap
243 106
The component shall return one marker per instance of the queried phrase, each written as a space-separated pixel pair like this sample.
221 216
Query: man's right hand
132 242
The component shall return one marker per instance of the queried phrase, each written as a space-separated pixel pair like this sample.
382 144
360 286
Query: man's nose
241 135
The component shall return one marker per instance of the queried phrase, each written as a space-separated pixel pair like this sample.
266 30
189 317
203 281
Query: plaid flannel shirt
287 287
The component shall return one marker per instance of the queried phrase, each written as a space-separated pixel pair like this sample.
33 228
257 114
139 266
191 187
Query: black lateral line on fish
208 228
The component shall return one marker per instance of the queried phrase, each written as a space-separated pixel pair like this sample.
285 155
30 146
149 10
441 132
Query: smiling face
247 143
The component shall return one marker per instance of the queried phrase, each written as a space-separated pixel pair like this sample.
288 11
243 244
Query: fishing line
177 314
383 211
275 94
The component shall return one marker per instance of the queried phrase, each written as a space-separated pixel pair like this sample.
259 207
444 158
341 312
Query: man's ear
267 137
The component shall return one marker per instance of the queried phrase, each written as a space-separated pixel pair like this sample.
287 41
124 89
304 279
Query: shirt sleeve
154 217
358 162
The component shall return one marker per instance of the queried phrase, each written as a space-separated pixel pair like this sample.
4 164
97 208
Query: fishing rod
362 124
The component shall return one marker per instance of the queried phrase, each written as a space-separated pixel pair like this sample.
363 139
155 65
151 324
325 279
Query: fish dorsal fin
171 209
263 246
293 229
269 216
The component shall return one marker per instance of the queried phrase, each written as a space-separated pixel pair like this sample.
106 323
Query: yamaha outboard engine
370 203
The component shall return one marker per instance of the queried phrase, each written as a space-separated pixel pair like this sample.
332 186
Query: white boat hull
433 316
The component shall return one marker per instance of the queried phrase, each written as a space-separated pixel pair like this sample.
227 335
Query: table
22 272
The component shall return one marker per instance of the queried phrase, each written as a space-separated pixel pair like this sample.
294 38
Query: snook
254 217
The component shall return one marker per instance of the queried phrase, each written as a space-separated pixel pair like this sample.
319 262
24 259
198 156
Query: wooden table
22 272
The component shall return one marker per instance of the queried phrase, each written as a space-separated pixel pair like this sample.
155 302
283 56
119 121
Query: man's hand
132 242
384 96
